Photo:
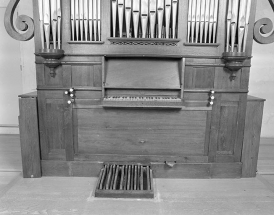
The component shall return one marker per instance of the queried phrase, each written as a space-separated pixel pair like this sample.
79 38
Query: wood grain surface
141 132
29 138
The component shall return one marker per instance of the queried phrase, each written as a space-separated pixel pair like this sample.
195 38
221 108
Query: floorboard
266 156
10 153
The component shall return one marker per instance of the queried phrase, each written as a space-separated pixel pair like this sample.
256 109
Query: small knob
212 91
66 92
71 95
70 101
211 103
170 164
71 90
212 97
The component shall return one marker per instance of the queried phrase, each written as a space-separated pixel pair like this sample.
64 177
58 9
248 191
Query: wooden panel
92 94
82 75
200 61
140 158
245 78
199 77
214 128
87 75
55 168
43 125
227 129
55 123
51 121
223 81
230 97
196 96
71 168
207 135
179 170
204 77
68 129
160 170
240 127
251 142
75 130
67 76
143 73
225 158
226 170
29 137
57 80
141 132
97 76
142 92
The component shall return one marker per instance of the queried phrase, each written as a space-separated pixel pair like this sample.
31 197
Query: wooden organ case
163 82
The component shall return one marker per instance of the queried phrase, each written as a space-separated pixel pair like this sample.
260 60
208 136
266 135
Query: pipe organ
160 85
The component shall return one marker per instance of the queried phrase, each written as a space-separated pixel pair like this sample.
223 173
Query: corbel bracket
234 61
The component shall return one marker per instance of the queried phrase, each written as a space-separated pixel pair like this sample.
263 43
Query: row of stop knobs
211 97
71 94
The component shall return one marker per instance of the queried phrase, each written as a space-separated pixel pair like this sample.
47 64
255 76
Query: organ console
162 83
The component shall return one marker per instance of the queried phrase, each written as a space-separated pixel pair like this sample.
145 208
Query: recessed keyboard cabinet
141 84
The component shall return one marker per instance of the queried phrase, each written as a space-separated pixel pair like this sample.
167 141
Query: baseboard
9 129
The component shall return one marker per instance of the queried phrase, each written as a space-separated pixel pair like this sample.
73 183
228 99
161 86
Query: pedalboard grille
132 180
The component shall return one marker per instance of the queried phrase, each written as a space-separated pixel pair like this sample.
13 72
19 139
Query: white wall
17 74
10 79
262 72
14 82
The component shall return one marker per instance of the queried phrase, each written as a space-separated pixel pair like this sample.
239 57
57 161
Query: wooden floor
66 196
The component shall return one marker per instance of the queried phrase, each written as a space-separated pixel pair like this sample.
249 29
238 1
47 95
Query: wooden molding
23 23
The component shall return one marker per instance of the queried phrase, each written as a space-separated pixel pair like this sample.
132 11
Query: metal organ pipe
144 17
174 17
41 20
152 17
136 14
202 21
59 18
46 13
50 23
128 10
158 18
238 13
85 20
167 16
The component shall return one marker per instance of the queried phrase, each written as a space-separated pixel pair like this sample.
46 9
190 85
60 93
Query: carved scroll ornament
262 27
23 23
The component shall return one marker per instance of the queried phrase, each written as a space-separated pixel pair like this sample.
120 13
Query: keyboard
142 101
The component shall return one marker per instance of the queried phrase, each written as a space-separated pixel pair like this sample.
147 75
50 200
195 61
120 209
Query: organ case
160 82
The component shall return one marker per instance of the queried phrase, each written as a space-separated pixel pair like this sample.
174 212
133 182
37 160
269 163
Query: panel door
227 127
